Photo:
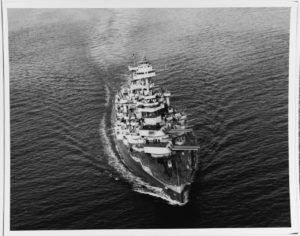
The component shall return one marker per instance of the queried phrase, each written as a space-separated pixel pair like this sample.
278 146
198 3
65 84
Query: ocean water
227 68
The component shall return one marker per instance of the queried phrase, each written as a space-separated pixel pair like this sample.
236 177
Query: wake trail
107 96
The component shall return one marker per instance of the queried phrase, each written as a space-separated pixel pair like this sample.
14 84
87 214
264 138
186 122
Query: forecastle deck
174 172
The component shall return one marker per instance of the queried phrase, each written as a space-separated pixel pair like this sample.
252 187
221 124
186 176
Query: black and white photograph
149 118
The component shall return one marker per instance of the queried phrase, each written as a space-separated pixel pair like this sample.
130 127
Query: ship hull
180 198
151 137
137 169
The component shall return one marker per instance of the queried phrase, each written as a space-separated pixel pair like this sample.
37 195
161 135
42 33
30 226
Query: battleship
151 136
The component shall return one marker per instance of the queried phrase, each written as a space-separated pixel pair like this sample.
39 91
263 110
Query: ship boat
151 136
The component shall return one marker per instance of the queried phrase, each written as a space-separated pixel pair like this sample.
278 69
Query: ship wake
114 161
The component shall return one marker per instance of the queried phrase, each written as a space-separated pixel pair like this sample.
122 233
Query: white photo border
293 110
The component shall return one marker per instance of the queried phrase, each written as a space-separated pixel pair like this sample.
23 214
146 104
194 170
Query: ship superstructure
152 136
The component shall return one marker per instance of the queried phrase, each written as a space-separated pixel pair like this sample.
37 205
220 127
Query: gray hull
137 169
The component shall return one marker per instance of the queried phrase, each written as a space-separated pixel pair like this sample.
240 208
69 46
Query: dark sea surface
228 68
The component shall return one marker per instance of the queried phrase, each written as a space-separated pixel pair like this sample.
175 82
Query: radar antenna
133 59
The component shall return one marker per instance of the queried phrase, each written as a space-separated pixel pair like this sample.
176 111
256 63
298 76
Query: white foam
107 96
158 192
113 160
